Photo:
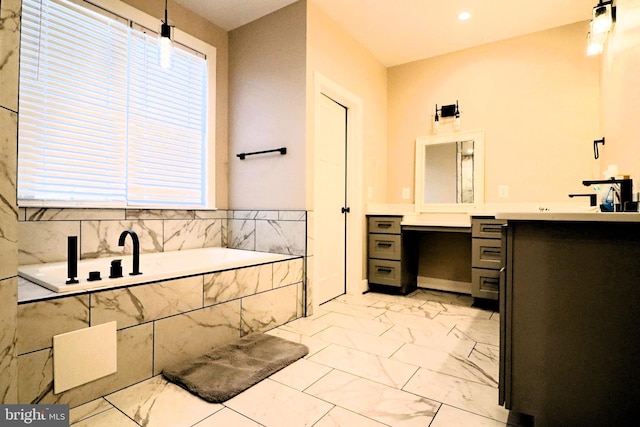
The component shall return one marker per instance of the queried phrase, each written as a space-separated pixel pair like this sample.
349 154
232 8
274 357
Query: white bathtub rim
245 258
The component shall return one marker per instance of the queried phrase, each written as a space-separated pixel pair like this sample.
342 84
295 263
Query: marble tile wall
42 232
159 324
9 55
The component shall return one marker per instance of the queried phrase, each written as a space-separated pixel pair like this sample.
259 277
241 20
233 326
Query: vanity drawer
487 228
485 283
486 253
383 272
384 224
386 246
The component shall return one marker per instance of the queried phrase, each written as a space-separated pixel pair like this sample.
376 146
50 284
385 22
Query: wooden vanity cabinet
569 320
486 257
392 264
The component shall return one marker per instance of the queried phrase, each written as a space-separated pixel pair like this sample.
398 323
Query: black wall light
450 110
604 15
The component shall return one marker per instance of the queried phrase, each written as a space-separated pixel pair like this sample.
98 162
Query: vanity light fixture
165 40
464 16
604 15
450 110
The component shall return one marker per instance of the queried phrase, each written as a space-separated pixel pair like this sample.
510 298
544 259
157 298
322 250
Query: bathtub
154 267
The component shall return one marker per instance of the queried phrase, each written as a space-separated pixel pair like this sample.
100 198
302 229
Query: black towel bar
282 151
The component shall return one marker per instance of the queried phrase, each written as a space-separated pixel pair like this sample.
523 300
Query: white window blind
101 123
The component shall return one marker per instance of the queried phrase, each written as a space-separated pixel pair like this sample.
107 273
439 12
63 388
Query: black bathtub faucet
136 250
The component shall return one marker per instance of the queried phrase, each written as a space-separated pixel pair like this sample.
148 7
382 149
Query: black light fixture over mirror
450 110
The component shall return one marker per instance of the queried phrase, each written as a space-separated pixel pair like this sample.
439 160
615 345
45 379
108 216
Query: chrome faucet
136 250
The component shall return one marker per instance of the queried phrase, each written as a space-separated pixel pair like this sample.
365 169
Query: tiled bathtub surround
159 324
42 233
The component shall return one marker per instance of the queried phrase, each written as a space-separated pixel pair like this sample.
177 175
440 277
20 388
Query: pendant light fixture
165 40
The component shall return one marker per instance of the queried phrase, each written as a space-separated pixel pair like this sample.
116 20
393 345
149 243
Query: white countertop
514 212
570 216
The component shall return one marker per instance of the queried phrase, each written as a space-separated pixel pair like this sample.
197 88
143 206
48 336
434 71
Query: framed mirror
450 172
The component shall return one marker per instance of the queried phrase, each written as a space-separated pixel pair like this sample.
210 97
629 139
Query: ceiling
401 31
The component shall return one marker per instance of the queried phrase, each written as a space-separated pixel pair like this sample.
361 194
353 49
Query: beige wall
208 32
267 110
620 107
338 57
536 97
335 55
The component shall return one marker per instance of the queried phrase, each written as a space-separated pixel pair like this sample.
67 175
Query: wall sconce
165 41
450 110
604 15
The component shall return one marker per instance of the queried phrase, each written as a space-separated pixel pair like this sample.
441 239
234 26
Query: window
101 123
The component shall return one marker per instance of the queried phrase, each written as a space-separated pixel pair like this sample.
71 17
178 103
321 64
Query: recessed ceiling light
464 16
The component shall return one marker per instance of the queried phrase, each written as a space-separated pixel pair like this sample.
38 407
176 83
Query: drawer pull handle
384 244
492 229
384 224
385 270
491 251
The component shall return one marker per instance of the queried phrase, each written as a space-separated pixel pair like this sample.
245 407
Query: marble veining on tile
379 402
282 237
186 336
273 404
450 363
159 214
288 272
45 241
156 402
38 322
231 284
267 310
241 234
192 234
375 368
354 374
292 215
9 53
8 341
212 214
67 214
100 238
468 395
138 304
8 208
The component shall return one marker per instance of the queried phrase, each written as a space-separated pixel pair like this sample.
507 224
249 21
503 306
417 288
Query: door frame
355 219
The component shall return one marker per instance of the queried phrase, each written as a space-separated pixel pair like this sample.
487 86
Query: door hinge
346 209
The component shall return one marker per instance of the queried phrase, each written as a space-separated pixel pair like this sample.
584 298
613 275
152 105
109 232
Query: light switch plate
503 191
406 193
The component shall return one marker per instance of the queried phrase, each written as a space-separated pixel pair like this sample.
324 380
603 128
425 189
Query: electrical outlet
406 193
503 191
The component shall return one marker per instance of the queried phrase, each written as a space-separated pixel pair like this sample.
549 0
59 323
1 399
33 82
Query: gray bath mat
228 370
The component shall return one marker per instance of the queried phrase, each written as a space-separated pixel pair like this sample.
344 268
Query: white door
330 199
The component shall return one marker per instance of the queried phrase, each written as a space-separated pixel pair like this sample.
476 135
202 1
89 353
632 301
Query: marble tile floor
427 359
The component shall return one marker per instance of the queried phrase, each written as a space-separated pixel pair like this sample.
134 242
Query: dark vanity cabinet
486 256
392 257
569 319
